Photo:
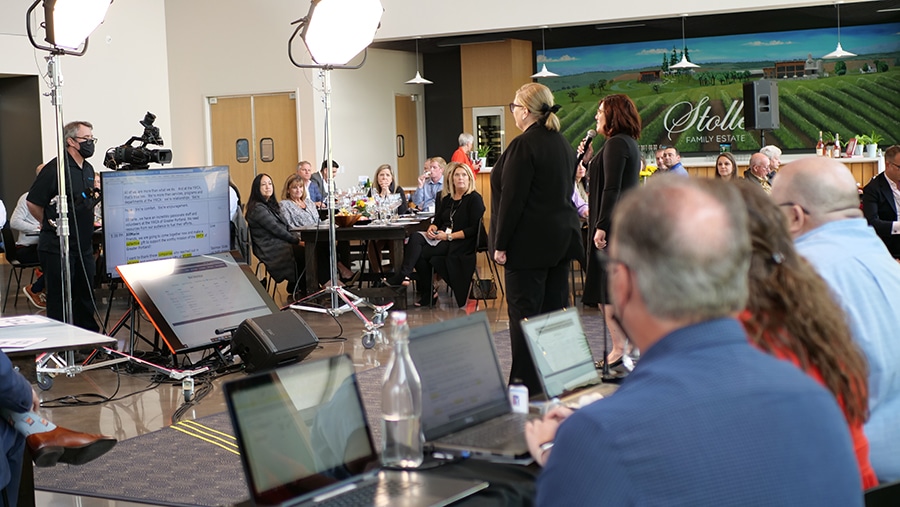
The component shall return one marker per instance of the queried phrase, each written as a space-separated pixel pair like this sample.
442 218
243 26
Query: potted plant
483 151
872 146
862 141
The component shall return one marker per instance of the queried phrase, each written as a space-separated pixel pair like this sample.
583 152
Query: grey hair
70 131
465 138
770 151
688 245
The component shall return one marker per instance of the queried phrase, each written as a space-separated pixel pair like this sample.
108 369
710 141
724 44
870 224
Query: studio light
418 79
544 72
684 63
839 52
69 22
337 30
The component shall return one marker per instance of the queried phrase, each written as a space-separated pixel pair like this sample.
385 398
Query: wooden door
267 125
407 141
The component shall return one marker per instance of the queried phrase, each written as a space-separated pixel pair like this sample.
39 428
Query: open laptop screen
461 380
560 351
300 428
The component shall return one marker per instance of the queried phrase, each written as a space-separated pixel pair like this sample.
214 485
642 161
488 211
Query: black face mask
86 148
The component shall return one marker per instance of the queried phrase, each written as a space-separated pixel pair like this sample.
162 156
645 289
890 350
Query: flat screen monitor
164 213
189 299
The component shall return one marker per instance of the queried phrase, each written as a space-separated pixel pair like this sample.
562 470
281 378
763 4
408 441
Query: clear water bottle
401 403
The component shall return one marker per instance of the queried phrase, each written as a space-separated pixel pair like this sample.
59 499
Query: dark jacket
458 265
273 243
533 218
880 210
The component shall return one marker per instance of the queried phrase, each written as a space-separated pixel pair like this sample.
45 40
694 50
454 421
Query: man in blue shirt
673 161
820 199
704 418
430 183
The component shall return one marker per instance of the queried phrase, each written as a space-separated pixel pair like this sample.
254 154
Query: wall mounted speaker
761 105
273 340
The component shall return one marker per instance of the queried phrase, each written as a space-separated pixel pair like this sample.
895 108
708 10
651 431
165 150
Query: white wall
122 76
234 47
406 18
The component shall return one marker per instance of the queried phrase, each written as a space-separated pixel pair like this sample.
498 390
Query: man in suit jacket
881 202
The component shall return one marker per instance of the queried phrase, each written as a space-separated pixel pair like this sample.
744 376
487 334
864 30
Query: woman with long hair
792 315
449 242
726 166
614 170
535 230
273 243
384 186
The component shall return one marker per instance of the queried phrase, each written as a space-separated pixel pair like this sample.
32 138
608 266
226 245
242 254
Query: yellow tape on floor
207 434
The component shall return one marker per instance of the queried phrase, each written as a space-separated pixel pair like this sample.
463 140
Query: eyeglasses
94 139
513 106
789 203
894 164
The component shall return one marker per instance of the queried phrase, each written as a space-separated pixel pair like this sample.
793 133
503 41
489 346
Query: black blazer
533 218
880 210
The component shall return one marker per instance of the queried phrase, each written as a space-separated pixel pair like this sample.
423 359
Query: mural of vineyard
699 110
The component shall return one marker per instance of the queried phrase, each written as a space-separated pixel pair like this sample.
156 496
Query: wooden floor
139 405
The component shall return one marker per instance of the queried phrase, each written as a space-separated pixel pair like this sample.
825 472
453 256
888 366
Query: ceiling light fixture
839 51
418 79
544 72
684 63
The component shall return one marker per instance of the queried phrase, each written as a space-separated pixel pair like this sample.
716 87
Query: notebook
304 440
563 359
465 407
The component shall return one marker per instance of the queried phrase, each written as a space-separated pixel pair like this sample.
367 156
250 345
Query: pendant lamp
839 52
544 72
684 63
418 79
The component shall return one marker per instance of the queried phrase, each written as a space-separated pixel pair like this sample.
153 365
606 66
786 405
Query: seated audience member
673 161
774 155
383 187
461 155
273 243
304 170
758 172
581 179
726 167
661 161
821 202
26 246
47 442
580 206
452 236
792 315
298 210
430 183
321 180
704 418
881 202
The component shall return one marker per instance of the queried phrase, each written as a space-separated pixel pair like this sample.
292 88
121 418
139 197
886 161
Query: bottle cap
398 317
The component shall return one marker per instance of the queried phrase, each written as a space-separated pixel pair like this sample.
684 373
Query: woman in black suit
449 242
615 169
535 230
273 244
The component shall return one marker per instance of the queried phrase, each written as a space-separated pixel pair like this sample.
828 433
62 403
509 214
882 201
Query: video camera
139 157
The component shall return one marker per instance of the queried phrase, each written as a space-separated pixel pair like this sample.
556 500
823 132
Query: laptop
465 406
304 440
563 359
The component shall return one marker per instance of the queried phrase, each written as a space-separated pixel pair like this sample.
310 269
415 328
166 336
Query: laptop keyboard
364 496
490 434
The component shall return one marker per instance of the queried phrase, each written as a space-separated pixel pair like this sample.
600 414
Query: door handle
401 146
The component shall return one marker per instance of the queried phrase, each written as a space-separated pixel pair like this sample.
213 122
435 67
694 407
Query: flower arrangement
364 207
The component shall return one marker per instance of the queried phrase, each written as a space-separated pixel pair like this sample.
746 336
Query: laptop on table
465 406
304 440
563 359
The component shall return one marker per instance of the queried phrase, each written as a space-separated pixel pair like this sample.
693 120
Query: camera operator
82 197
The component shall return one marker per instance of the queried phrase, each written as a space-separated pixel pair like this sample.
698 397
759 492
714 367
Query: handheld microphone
591 134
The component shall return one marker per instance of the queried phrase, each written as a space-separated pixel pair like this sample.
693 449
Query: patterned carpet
196 463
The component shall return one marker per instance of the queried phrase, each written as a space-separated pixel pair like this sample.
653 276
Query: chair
482 247
885 495
17 266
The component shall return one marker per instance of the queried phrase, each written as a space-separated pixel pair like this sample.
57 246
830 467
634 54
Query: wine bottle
820 146
836 153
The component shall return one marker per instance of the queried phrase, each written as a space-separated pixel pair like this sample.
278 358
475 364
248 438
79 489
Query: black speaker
273 340
761 105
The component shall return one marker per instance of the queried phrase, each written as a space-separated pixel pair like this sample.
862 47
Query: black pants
417 255
82 287
29 254
531 292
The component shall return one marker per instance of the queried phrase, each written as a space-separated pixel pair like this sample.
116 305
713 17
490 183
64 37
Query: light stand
338 33
68 25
